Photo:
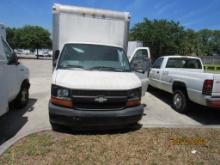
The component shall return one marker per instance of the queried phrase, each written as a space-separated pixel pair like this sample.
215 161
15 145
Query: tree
11 37
162 36
29 37
168 37
216 43
34 37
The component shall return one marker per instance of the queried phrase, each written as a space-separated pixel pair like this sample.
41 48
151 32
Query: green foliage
29 37
168 37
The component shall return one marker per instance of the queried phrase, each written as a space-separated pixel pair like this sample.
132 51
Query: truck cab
14 77
94 83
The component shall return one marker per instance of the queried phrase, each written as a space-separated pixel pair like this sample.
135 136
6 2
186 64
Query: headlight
135 93
134 97
61 96
60 92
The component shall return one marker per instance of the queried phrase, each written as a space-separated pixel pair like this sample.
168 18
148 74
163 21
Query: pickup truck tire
22 98
55 127
180 101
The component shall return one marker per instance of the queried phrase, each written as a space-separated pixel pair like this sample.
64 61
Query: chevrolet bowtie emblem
100 99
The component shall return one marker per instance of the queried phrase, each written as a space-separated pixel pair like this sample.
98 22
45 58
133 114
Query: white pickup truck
185 78
14 77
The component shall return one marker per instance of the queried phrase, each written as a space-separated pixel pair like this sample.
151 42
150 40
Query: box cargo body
2 31
90 23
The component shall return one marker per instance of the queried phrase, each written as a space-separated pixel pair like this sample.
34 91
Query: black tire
180 101
55 127
150 88
22 98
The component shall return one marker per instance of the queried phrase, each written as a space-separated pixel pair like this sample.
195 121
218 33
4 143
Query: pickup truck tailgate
216 85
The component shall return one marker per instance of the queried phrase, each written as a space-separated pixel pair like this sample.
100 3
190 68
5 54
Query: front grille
85 100
98 93
99 106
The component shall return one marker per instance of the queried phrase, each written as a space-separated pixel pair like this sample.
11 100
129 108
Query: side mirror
137 67
56 54
13 60
140 71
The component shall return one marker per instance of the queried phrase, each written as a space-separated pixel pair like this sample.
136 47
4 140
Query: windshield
93 57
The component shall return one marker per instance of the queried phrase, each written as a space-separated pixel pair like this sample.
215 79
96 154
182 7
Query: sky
195 14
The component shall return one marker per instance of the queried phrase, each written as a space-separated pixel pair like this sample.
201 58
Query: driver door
3 82
140 62
11 71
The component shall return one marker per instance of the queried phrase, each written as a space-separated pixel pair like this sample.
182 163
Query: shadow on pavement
13 121
34 58
98 130
201 114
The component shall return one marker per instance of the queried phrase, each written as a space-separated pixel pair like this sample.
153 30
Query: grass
215 68
144 146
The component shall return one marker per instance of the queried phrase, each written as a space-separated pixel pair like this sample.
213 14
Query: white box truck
14 77
93 83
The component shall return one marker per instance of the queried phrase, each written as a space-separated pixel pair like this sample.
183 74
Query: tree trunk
37 54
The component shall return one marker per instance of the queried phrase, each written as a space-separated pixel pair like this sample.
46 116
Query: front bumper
79 118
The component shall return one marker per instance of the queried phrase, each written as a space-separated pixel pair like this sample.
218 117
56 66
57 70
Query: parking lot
158 112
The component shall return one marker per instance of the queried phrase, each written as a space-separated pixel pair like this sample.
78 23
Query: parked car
185 78
43 53
93 83
14 77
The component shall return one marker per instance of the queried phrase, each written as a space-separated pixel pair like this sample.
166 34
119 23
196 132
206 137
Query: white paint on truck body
93 25
11 75
87 80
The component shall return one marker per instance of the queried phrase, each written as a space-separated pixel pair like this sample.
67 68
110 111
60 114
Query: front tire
55 127
180 101
22 98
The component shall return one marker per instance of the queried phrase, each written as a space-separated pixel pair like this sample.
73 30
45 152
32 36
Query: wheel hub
24 95
178 101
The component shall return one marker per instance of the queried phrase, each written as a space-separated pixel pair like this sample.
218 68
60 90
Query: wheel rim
24 95
177 101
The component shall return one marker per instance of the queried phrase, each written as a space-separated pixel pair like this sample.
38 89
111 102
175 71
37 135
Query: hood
96 80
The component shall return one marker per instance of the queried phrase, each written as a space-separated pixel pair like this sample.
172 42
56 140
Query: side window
193 64
2 57
141 60
175 63
157 64
141 54
8 51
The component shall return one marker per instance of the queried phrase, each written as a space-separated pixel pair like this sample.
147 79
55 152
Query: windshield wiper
106 68
73 67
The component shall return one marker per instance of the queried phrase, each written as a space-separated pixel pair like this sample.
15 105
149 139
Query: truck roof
94 43
59 8
179 56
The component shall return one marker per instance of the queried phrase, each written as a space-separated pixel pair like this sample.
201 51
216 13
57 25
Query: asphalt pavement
158 112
